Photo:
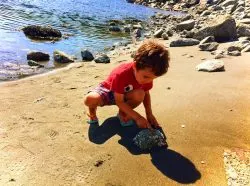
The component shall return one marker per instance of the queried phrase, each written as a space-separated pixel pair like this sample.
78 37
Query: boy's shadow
169 162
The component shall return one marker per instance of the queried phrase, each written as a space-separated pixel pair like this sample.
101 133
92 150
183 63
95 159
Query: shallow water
85 19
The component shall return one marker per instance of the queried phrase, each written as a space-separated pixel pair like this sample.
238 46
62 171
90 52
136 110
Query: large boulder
41 32
184 42
223 30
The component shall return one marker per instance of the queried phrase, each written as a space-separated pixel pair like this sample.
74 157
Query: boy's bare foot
92 119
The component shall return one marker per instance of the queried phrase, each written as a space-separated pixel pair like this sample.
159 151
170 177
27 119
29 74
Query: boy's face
144 76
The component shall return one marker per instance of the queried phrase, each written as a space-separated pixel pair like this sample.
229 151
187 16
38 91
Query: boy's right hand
142 122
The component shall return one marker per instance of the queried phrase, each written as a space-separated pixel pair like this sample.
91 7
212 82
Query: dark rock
41 32
187 17
243 30
137 33
114 29
158 33
233 48
61 57
234 53
38 56
149 138
209 46
164 36
87 55
33 63
102 58
246 49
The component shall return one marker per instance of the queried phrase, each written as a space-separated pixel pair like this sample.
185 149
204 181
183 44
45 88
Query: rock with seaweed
149 138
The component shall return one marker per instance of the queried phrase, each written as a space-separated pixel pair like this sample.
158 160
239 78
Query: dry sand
46 141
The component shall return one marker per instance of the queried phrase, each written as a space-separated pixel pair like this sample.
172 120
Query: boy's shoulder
123 68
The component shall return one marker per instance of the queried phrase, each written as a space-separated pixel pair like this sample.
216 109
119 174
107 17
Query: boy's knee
138 95
91 99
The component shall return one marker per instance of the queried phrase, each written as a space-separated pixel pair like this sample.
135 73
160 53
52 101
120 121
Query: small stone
202 162
183 126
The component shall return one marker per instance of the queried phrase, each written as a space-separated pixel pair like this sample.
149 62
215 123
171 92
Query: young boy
128 86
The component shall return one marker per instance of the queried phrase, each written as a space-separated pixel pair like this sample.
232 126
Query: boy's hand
152 120
142 122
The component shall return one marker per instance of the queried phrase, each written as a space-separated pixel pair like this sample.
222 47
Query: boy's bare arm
147 103
119 99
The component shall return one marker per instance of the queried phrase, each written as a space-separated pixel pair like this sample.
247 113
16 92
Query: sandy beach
45 139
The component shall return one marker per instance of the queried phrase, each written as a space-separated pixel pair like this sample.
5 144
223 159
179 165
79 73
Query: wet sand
46 141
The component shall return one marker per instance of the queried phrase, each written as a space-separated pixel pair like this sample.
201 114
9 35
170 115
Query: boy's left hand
152 120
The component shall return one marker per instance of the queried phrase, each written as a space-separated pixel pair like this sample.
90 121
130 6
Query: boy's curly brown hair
152 55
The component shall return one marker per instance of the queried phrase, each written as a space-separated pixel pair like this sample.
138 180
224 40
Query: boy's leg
92 100
133 98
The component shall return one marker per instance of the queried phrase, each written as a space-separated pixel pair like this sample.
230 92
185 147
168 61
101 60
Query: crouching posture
128 86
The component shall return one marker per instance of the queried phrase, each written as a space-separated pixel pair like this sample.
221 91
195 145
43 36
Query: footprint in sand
52 133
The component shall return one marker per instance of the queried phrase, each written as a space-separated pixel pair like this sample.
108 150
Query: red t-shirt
122 80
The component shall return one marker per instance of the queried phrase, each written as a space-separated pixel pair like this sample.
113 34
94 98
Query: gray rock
238 45
102 58
127 29
208 39
33 63
217 8
170 32
186 25
37 56
41 32
184 42
149 138
219 56
223 30
245 21
87 55
247 49
209 46
228 3
187 17
164 36
243 30
213 65
206 13
234 53
158 33
61 57
114 29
